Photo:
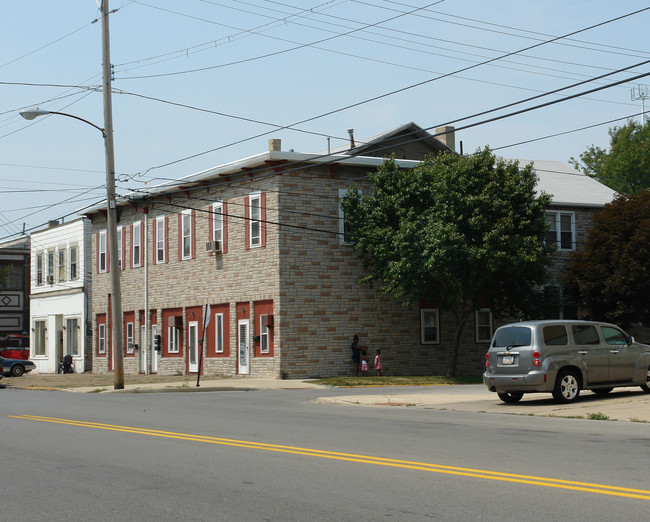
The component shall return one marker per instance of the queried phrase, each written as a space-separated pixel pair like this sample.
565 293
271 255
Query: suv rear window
514 336
555 335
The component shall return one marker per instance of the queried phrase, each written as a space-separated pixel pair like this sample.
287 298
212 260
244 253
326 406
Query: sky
199 83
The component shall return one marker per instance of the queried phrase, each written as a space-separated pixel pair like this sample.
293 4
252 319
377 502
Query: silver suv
564 357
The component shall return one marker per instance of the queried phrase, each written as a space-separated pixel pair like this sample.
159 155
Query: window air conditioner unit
213 246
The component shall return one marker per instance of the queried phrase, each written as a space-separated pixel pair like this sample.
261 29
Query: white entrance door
154 353
243 347
193 346
143 349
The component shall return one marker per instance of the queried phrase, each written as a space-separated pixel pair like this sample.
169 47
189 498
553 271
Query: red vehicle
15 346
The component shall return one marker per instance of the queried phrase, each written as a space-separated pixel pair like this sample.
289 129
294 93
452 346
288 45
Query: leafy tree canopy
465 232
626 167
609 279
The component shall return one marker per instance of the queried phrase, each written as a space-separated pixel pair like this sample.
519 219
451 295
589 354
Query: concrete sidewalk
623 404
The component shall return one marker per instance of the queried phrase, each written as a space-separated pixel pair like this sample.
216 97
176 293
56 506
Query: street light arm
34 113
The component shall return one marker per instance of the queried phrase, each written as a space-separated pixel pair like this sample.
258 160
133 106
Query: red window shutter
166 239
180 237
142 240
211 223
247 225
124 248
263 216
154 226
224 224
193 234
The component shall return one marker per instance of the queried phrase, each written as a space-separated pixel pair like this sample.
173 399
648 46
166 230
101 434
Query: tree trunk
461 320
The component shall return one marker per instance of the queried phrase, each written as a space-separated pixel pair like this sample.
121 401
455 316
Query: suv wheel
510 397
567 387
646 387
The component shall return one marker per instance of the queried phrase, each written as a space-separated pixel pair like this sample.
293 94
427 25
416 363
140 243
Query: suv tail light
535 358
487 359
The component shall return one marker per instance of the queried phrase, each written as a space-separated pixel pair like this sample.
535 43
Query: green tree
609 279
466 232
626 167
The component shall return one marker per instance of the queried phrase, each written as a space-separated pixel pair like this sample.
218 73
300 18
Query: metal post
111 206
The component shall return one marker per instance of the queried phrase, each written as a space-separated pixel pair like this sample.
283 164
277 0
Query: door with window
243 347
193 346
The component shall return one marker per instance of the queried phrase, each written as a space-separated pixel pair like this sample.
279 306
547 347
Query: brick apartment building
260 240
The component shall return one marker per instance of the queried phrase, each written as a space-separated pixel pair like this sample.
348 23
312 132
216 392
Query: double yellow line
587 487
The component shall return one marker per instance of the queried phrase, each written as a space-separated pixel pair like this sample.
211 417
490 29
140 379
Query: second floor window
39 269
136 241
120 250
160 240
61 265
217 223
50 268
255 220
73 263
102 260
561 231
186 234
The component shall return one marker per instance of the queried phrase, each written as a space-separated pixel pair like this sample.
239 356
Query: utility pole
111 205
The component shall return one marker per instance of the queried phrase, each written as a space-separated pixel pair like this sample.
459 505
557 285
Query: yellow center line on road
601 489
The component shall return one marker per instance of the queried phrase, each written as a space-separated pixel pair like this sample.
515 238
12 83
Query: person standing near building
378 362
356 354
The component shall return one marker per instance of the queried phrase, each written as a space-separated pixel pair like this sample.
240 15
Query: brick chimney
275 144
447 135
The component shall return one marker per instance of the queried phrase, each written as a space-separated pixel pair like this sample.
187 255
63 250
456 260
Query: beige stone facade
291 305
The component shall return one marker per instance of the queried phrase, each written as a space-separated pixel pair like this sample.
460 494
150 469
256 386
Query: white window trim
101 338
186 214
74 274
264 335
70 333
44 347
217 222
557 218
422 325
130 337
137 245
160 240
255 241
120 252
477 325
103 251
61 265
342 231
218 333
173 340
39 271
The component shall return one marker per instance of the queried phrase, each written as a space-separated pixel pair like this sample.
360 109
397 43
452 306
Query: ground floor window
72 336
429 326
39 337
483 319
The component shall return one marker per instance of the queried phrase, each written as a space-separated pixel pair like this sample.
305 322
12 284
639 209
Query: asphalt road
280 455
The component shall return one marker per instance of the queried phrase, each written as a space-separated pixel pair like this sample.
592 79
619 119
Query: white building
60 294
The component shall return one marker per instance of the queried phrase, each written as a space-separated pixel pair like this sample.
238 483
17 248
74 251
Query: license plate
508 359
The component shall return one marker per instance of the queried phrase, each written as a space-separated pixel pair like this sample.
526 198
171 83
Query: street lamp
111 206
